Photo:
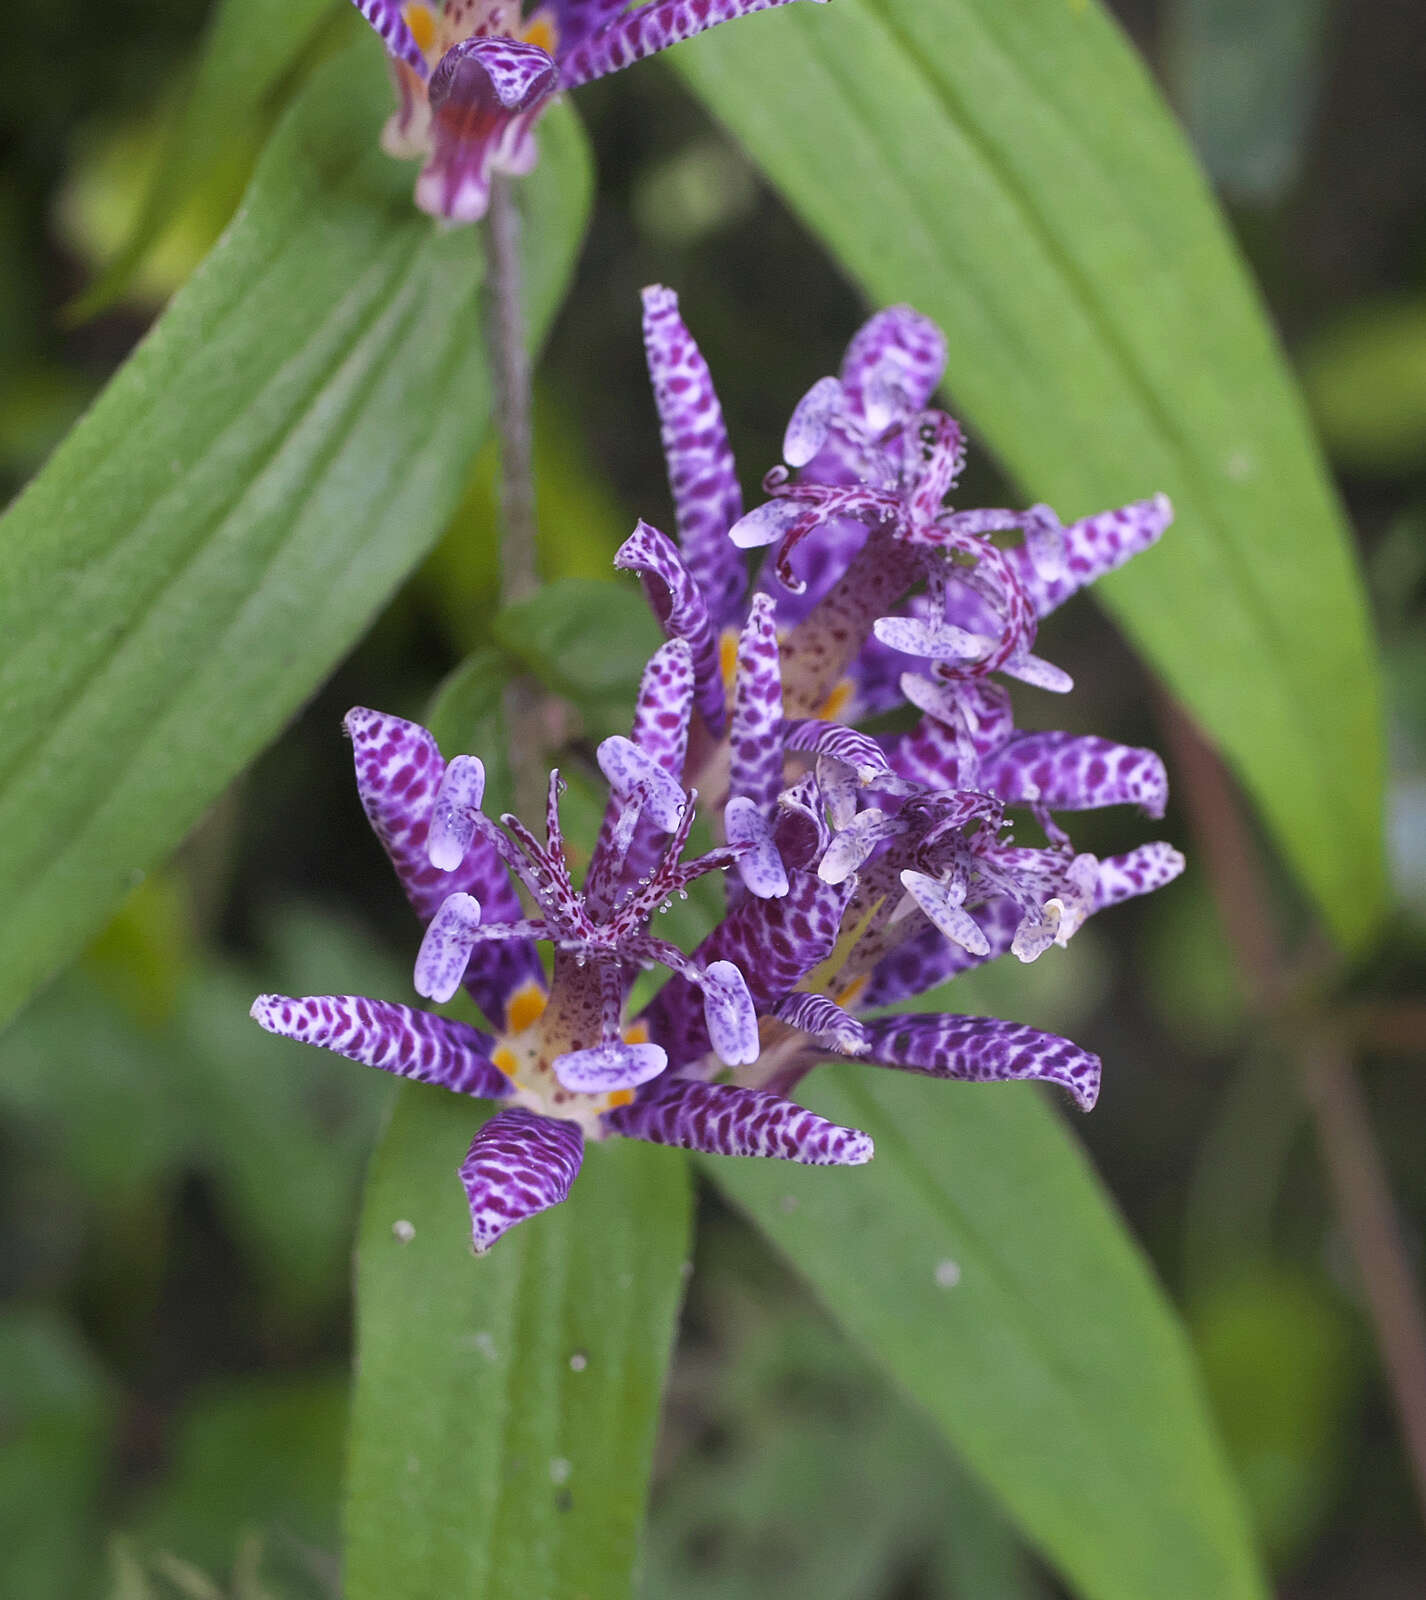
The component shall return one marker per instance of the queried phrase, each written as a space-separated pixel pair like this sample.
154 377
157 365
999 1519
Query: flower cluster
473 77
859 870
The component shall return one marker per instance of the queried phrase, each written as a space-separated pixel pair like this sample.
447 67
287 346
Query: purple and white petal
983 1050
632 773
766 524
892 365
519 1164
458 798
396 1039
1038 672
665 705
390 23
482 76
682 612
853 749
721 1119
852 845
399 772
1067 772
603 1068
1136 872
944 906
647 30
729 1016
1093 546
701 475
760 866
811 418
756 761
445 950
825 1021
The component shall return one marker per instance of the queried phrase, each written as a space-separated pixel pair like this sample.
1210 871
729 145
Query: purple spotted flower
473 76
859 869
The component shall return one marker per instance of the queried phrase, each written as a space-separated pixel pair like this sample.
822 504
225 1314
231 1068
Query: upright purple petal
682 612
756 769
647 30
520 1163
390 23
893 364
399 771
1093 546
720 1119
410 1044
1066 772
701 475
982 1050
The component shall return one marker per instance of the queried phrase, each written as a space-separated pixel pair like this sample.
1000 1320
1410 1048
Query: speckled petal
759 866
682 612
756 765
646 30
701 475
892 365
1094 546
632 773
825 1021
396 1039
609 1066
520 1163
811 418
1136 872
946 911
853 749
390 23
458 798
982 1050
399 771
445 950
721 1119
729 1016
1066 772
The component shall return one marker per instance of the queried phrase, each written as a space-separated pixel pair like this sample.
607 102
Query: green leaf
586 640
979 1262
504 1416
280 451
248 47
1011 171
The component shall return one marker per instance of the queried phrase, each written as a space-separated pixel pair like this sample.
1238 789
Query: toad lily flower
473 76
859 870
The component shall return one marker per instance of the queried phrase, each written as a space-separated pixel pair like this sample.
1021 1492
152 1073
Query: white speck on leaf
578 1361
404 1232
560 1470
948 1274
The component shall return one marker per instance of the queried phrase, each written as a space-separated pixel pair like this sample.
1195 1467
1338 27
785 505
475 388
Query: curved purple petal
396 1039
682 612
825 1021
982 1050
513 71
390 23
1136 872
701 475
893 364
720 1119
1066 772
520 1163
647 30
399 771
1093 546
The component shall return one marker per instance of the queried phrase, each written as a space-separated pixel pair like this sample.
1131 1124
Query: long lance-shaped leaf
279 452
977 1260
1011 171
505 1408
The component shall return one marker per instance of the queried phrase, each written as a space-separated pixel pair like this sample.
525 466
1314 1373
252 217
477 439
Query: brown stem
1349 1151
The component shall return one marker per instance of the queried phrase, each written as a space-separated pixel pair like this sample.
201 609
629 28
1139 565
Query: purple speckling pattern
520 1163
701 475
897 355
1093 546
756 770
407 1043
1071 773
678 603
982 1050
721 1119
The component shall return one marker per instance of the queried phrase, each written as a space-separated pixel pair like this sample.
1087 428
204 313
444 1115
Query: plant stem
519 575
1317 1041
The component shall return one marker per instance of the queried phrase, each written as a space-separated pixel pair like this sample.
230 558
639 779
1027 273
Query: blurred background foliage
178 1191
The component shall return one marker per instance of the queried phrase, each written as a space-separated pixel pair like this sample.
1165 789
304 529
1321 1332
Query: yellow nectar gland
541 31
524 1055
421 20
836 702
